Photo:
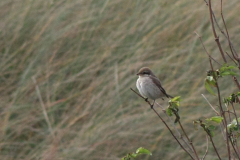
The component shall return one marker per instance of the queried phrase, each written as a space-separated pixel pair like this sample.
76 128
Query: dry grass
84 56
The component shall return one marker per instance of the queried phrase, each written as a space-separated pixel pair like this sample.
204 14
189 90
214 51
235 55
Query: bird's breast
148 89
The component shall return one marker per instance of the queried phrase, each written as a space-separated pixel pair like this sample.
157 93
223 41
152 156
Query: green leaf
195 123
225 73
216 119
227 70
212 133
134 155
211 127
207 86
142 150
211 81
169 112
177 98
238 93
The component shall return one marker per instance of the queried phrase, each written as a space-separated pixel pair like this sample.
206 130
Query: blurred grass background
84 56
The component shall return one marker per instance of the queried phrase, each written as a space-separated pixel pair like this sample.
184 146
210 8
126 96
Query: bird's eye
145 73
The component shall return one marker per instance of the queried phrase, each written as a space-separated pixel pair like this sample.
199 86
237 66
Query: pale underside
148 89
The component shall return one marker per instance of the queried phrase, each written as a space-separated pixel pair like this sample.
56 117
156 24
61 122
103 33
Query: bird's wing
158 83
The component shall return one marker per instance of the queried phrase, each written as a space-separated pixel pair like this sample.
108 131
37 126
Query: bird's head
145 72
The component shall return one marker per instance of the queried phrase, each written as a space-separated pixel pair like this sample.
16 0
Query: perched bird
150 86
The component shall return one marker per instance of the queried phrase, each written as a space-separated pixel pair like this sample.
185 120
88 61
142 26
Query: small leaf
238 93
211 127
227 70
225 73
216 119
169 112
142 150
195 123
134 155
212 133
177 98
207 86
211 81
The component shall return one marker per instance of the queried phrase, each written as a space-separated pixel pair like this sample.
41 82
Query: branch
152 107
211 105
206 149
228 38
176 130
214 146
205 48
222 30
214 32
221 110
188 139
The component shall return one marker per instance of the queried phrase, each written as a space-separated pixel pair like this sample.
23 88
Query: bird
150 86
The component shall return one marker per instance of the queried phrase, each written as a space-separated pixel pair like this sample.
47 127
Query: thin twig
236 81
225 121
190 142
235 150
206 149
214 146
205 48
174 126
211 105
43 106
232 59
172 133
228 37
152 107
215 20
235 114
214 32
231 135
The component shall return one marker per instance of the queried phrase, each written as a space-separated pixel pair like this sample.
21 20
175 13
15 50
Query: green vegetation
84 56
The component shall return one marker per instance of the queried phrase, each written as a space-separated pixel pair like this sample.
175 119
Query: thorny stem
164 123
190 142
